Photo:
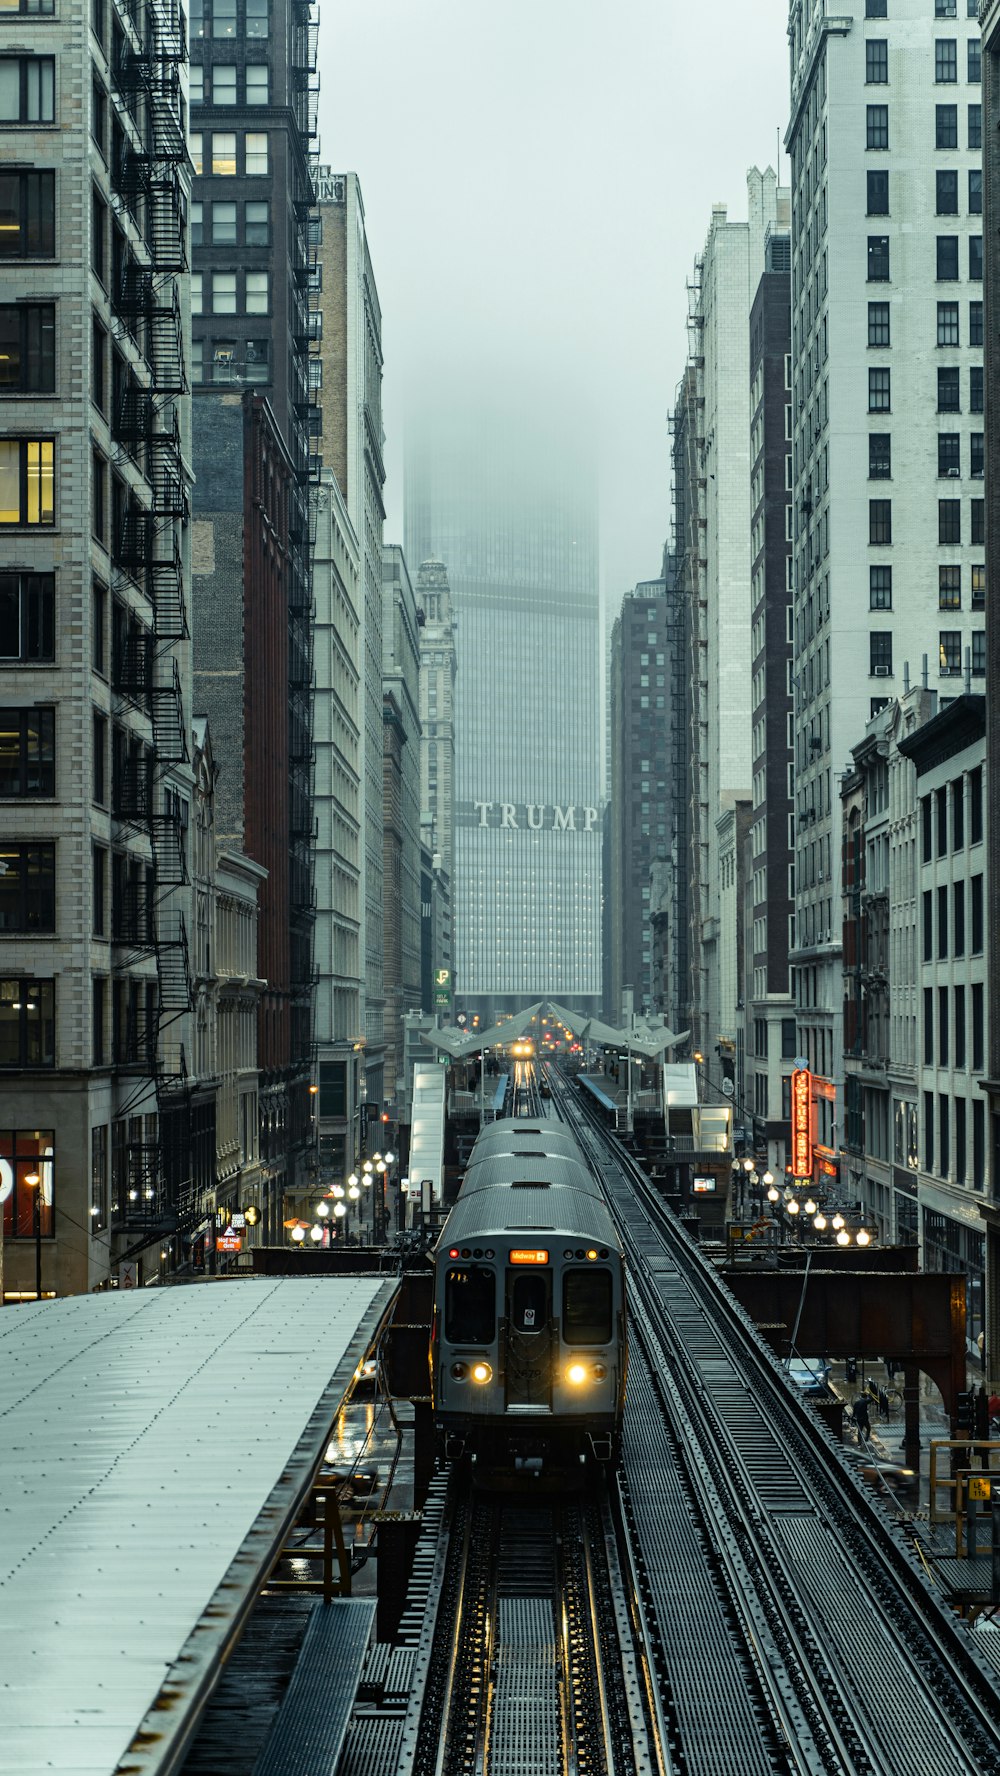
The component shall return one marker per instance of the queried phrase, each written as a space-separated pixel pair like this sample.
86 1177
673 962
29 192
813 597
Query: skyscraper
253 112
95 1087
887 415
641 795
512 510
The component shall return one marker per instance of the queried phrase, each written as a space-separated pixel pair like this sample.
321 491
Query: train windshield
529 1301
470 1305
587 1306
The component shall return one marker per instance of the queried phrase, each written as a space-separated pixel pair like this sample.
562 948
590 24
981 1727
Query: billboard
802 1137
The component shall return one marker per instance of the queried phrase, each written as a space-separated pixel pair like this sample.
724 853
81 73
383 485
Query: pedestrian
862 1421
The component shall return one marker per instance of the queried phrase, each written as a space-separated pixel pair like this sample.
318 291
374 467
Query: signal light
453 1251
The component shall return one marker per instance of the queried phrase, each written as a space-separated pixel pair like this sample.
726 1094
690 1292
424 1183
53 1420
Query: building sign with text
802 1142
527 816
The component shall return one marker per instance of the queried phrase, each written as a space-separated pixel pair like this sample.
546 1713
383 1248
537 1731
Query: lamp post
34 1179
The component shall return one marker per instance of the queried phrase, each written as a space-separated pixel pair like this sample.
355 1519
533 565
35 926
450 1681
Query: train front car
528 1349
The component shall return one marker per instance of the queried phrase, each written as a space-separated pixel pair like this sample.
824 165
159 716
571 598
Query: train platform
156 1450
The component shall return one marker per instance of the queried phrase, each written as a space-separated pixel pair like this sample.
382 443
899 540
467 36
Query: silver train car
528 1344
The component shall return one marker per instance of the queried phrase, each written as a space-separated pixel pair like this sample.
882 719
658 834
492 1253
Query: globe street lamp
34 1180
298 1233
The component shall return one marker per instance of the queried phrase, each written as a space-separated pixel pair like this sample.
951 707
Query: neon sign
802 1145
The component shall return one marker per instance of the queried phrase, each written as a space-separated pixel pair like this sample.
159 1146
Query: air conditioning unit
953 474
882 671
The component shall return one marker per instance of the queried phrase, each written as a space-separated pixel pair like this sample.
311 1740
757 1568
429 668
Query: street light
298 1234
34 1180
322 1208
316 1233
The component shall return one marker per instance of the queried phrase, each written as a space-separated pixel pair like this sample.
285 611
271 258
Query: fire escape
149 151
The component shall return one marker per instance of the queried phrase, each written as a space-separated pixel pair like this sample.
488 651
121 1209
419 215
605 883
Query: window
945 9
587 1304
977 1026
975 126
256 18
950 588
27 348
949 521
99 496
223 18
258 292
223 224
256 225
224 155
197 144
946 126
257 365
223 292
947 258
957 815
878 192
879 456
27 481
100 759
948 392
470 1305
197 292
27 617
949 461
27 215
34 8
98 1019
878 323
224 83
976 457
976 919
875 9
258 83
947 323
255 149
975 388
976 258
879 387
978 581
880 588
978 639
28 887
927 904
27 752
978 513
98 235
877 126
943 1022
27 1025
99 627
878 258
99 890
27 89
926 830
928 1022
975 191
947 193
99 367
880 653
975 62
196 84
880 521
99 116
949 652
975 323
946 61
976 806
197 224
877 61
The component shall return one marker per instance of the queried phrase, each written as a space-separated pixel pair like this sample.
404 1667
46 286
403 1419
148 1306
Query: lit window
27 481
224 155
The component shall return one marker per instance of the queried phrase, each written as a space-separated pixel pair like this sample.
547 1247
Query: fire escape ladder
173 964
166 337
169 737
166 587
132 668
166 474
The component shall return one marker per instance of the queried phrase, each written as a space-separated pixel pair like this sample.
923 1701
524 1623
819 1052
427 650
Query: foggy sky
538 176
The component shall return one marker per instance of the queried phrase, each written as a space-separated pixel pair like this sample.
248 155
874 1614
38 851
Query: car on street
810 1374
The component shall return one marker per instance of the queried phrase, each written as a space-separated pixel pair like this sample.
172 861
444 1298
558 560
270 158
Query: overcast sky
538 176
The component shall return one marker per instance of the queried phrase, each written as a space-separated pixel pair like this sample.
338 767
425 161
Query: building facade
887 410
337 736
401 813
96 1074
641 787
513 513
349 321
770 1021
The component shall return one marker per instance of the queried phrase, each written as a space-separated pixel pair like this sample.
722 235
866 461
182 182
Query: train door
529 1340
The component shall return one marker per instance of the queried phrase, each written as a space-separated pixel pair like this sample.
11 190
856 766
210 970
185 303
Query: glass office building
513 515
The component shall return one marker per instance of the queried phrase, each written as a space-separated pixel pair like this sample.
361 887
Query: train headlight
482 1372
600 1372
577 1374
459 1371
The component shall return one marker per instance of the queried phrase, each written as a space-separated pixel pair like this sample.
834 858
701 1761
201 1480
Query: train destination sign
539 1257
528 816
802 1147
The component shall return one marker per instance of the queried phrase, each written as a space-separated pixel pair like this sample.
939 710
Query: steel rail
935 1669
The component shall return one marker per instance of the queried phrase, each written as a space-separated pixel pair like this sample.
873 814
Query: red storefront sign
802 1143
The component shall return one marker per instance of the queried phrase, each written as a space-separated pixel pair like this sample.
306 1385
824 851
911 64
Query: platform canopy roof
155 1449
645 1038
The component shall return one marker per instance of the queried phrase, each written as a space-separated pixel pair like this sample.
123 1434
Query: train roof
532 1214
513 1135
552 1170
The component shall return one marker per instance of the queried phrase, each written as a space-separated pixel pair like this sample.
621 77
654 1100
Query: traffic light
965 1413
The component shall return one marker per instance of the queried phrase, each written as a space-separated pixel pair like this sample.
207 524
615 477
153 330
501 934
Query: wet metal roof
154 1450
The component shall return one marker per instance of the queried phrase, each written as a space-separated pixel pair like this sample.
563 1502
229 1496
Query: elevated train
528 1346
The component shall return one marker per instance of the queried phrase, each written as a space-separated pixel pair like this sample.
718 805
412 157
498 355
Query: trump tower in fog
512 513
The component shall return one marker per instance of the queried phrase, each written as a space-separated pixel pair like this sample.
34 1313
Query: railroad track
792 1630
527 1671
